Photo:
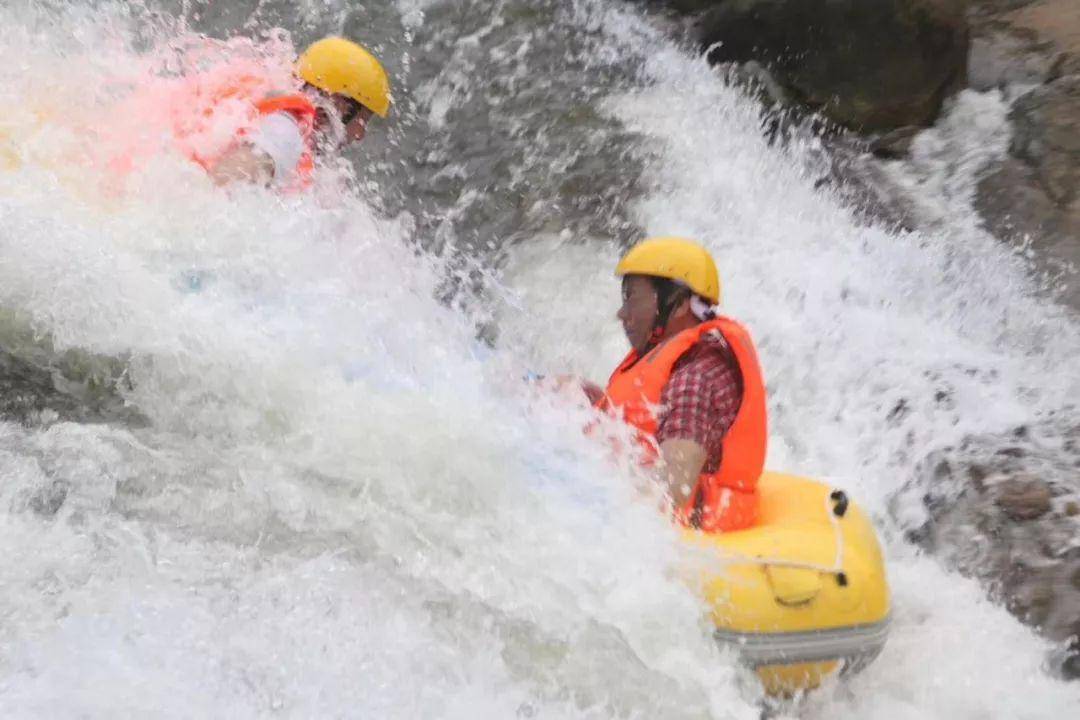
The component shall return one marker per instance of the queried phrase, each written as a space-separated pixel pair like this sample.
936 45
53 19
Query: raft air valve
841 499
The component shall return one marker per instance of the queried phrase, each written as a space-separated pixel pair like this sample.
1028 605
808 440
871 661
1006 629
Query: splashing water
338 502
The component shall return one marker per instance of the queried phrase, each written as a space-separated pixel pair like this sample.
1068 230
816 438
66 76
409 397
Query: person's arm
243 162
698 404
683 461
594 392
272 151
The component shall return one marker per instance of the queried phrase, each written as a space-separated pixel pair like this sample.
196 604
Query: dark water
495 135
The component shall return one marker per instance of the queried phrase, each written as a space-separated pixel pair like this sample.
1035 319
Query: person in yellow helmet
344 86
691 385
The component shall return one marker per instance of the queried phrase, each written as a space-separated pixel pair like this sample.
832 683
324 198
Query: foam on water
878 347
339 503
335 507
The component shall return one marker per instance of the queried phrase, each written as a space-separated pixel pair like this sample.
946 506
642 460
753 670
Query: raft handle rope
838 510
669 293
837 568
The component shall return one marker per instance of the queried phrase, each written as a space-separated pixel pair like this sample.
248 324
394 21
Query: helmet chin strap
654 338
668 298
702 309
333 132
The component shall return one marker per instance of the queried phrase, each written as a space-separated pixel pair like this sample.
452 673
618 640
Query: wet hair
668 296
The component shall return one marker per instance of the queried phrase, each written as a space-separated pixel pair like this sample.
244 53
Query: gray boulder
1023 42
1006 510
1046 136
39 384
870 66
1035 193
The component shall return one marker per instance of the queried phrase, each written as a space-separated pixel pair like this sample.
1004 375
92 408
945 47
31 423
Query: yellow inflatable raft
803 594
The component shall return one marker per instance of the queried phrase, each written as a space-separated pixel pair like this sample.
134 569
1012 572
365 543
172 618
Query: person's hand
591 390
594 392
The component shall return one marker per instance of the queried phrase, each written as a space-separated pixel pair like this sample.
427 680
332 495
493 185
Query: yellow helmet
676 259
342 67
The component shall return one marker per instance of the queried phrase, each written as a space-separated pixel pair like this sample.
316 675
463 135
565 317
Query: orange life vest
303 112
726 499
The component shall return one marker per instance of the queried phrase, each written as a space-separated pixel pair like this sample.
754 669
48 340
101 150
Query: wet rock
687 6
871 66
48 500
38 384
1046 137
1034 194
1010 520
1014 205
1053 23
26 390
1004 50
1024 499
1000 58
859 179
895 144
1065 66
1047 26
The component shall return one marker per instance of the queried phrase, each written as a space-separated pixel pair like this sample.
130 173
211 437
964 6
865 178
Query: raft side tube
801 594
857 645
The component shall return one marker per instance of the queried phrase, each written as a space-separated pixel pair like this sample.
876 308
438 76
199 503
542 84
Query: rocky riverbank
875 75
1007 511
868 66
1033 48
879 73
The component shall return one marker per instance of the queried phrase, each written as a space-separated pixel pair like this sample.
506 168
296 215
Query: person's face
638 311
354 118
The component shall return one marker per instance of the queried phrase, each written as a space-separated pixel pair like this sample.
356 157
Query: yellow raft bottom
802 594
788 679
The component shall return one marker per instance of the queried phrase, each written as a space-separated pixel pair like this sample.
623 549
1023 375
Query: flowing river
302 476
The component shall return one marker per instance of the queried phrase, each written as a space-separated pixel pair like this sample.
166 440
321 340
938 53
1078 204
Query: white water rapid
327 498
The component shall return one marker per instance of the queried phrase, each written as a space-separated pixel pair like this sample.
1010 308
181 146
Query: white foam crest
951 653
343 505
336 504
878 347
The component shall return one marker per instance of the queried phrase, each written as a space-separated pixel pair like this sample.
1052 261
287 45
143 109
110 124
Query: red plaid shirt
701 398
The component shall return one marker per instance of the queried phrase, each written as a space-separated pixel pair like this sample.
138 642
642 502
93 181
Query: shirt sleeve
701 399
279 136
